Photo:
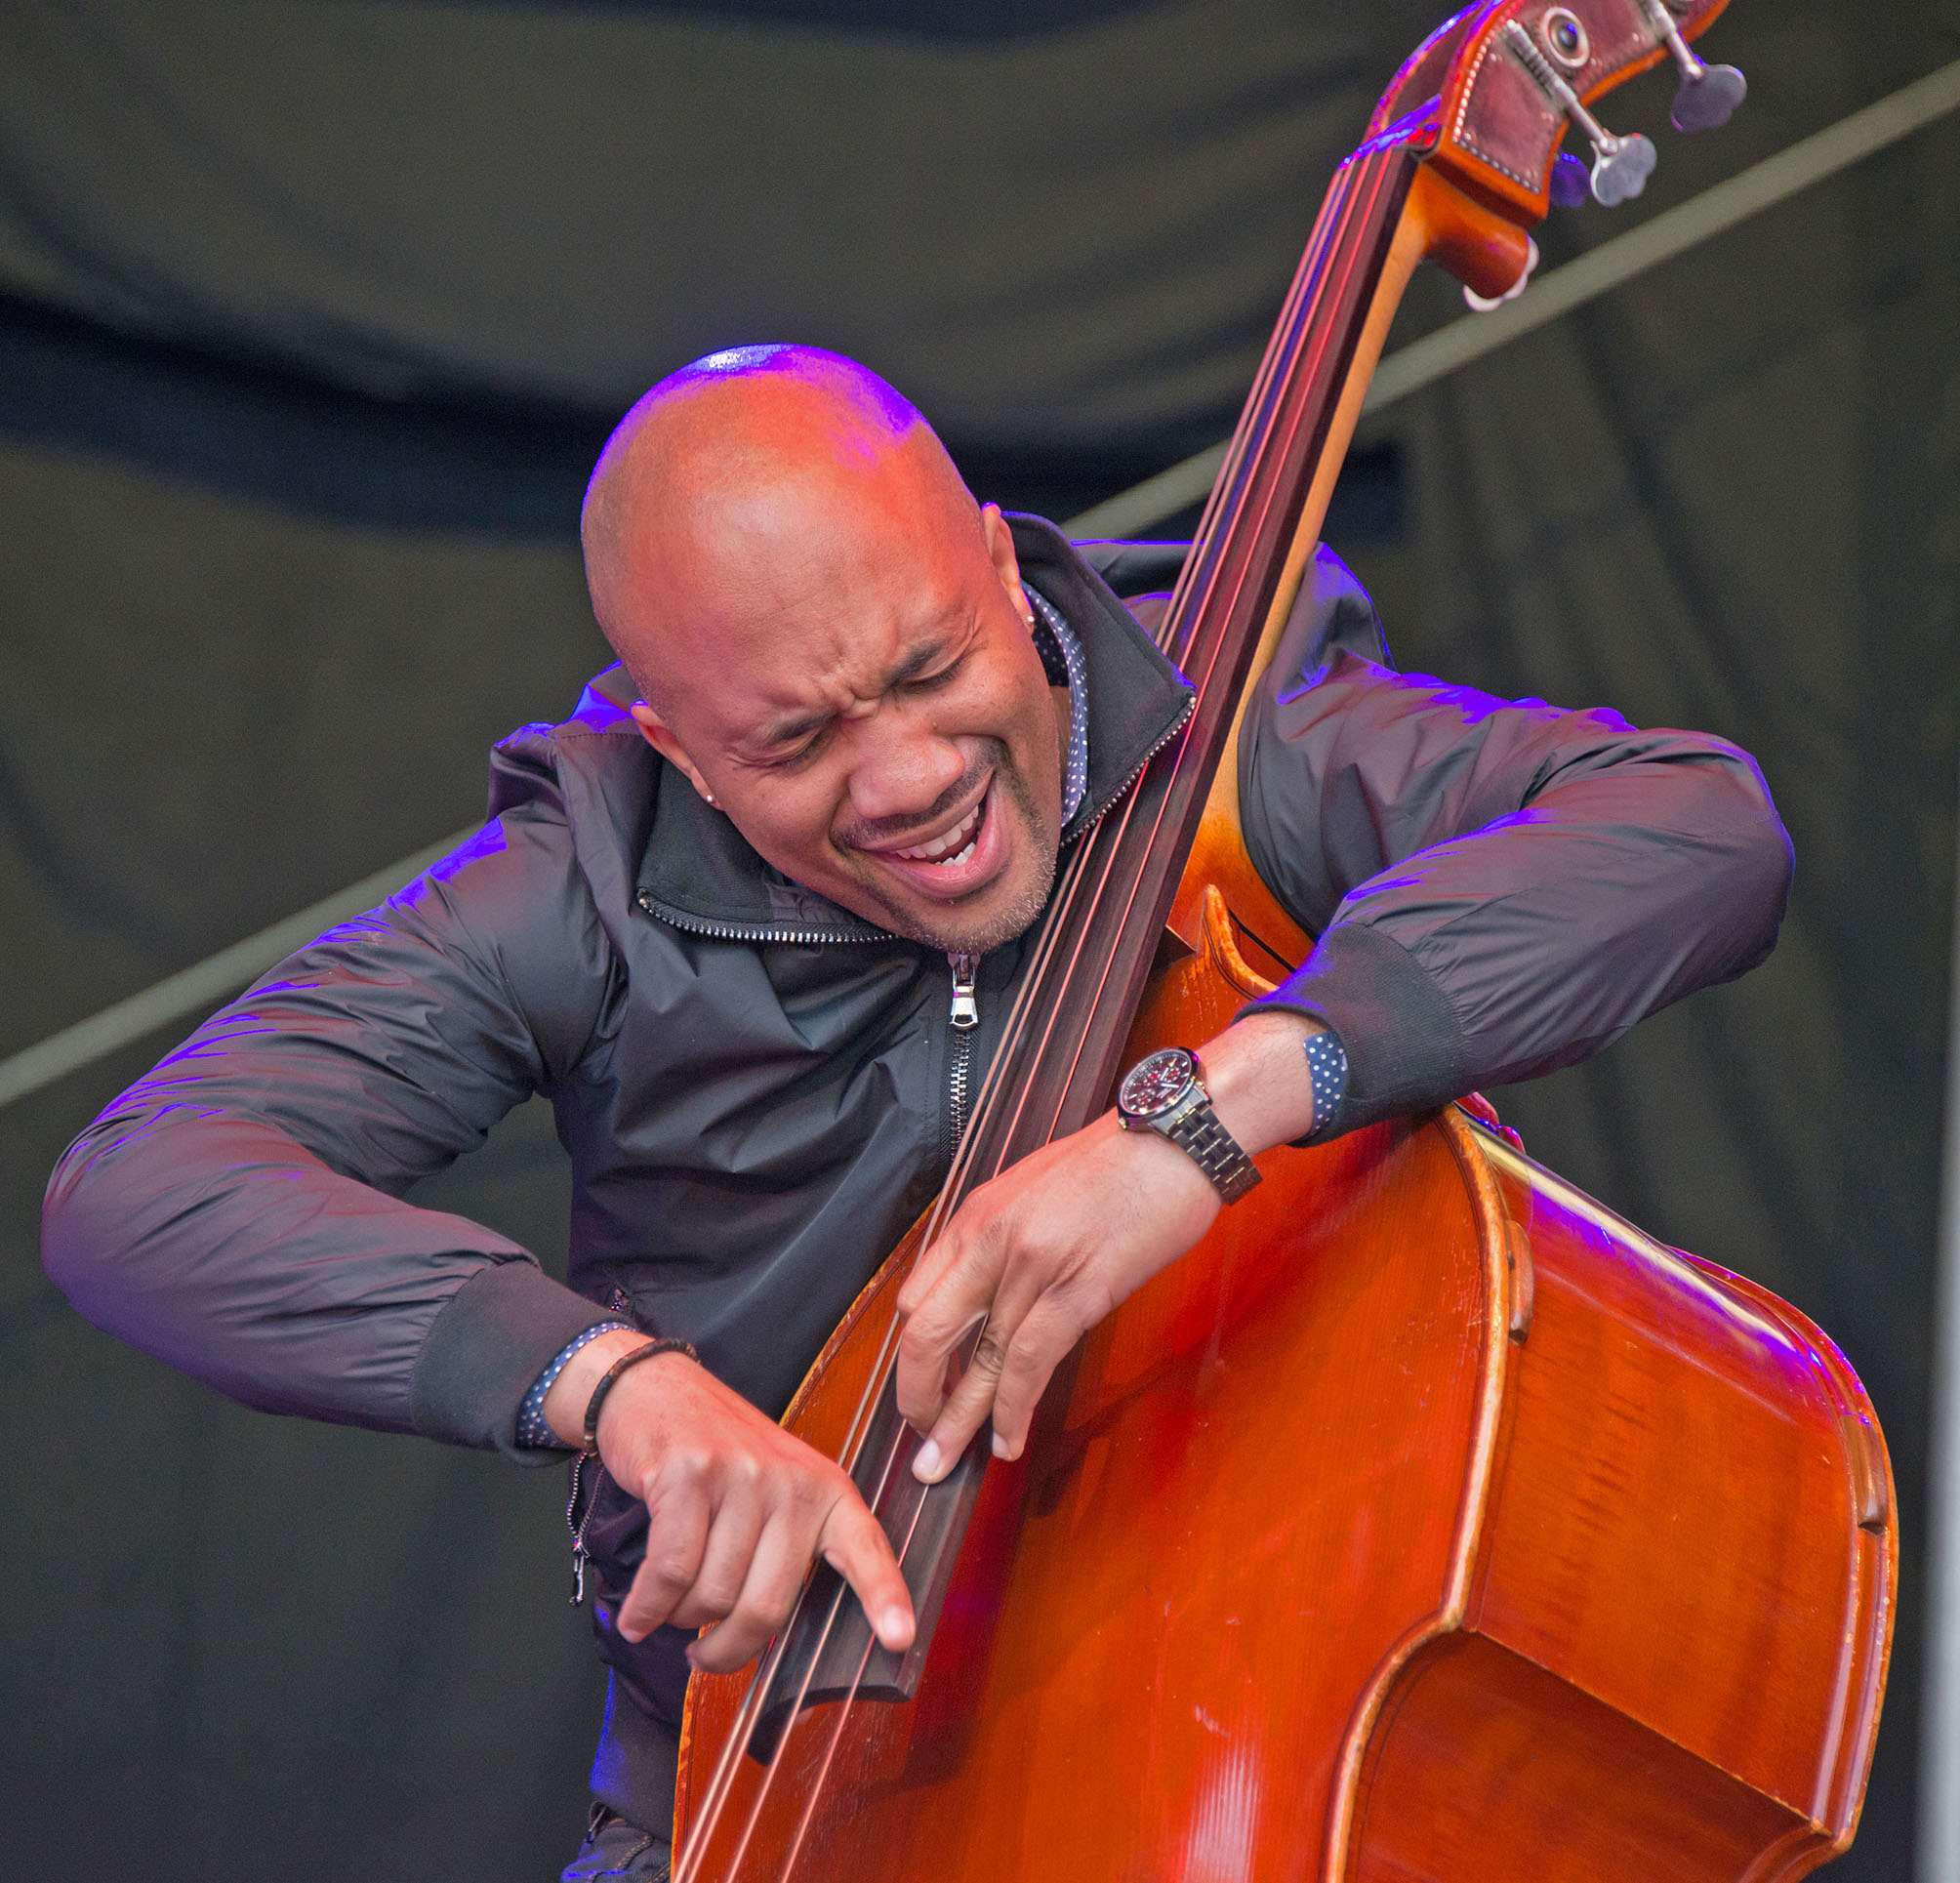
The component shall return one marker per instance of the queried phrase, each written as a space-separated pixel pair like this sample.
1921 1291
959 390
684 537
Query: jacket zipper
966 1010
741 932
1086 824
964 1017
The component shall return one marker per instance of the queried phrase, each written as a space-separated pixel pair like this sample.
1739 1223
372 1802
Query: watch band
1193 1127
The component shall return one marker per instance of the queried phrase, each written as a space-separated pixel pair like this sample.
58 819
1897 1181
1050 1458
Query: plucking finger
855 1544
940 1322
1039 1346
964 1412
676 1534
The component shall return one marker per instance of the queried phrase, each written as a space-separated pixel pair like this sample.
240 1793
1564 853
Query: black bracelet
651 1351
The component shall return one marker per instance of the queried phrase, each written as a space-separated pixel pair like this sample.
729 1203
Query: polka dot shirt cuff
1327 1068
532 1430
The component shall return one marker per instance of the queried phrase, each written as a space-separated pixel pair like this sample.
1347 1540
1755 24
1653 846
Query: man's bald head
832 641
741 480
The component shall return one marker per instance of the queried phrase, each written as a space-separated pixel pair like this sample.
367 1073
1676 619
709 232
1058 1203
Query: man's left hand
1055 1241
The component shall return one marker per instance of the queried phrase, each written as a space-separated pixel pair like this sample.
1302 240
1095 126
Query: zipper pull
966 1008
578 1529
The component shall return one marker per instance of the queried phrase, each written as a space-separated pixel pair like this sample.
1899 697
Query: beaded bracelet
652 1350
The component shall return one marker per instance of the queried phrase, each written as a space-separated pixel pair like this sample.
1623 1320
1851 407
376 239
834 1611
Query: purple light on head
812 365
738 360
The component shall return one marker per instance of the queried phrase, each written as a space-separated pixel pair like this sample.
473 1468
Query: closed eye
787 754
926 682
793 743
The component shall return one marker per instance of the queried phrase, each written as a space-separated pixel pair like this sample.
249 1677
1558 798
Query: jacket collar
698 873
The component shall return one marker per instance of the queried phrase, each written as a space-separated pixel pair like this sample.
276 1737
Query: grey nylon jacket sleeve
237 1213
1498 887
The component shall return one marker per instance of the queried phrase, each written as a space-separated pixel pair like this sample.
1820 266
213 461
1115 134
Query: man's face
879 727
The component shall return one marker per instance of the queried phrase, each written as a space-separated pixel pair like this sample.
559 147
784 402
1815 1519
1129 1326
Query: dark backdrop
312 315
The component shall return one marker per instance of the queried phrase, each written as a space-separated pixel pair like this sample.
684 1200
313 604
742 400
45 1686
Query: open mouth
963 858
955 847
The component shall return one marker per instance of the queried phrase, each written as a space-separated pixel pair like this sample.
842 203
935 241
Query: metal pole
208 982
1939 1712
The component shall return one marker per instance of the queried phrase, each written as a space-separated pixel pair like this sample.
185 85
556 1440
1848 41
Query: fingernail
1001 1450
926 1464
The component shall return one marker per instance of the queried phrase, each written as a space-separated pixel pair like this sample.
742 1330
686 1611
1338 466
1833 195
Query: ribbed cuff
500 1330
1405 1050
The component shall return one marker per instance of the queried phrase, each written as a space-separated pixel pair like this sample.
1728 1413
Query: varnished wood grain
1202 1628
1487 1765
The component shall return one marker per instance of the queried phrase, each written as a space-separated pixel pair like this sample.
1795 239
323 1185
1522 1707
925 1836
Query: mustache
876 833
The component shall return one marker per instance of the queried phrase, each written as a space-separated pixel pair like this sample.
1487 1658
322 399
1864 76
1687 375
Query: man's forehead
770 682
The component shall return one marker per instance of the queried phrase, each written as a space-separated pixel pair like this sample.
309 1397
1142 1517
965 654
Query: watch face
1155 1084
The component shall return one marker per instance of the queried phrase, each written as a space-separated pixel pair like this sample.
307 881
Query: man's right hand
736 1507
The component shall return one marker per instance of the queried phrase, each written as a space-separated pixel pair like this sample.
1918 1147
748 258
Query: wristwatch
1162 1092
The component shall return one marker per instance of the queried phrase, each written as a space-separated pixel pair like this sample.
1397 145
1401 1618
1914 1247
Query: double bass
1426 1521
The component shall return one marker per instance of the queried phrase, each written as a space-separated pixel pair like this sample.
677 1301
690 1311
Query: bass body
1426 1521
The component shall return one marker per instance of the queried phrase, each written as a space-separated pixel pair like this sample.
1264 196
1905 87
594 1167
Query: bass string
838 1727
884 1363
700 1834
1256 418
1185 614
1110 837
780 1759
721 1782
1311 284
1338 221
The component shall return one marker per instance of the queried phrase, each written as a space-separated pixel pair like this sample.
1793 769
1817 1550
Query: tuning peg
1708 93
1708 102
1622 166
1571 186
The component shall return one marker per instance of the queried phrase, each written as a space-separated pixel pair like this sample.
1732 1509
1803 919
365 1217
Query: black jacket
752 1085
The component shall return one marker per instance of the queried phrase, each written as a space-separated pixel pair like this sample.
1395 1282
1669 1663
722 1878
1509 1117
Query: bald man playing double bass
724 918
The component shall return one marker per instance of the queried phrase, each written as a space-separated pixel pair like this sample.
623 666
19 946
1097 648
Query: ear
1007 564
656 732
